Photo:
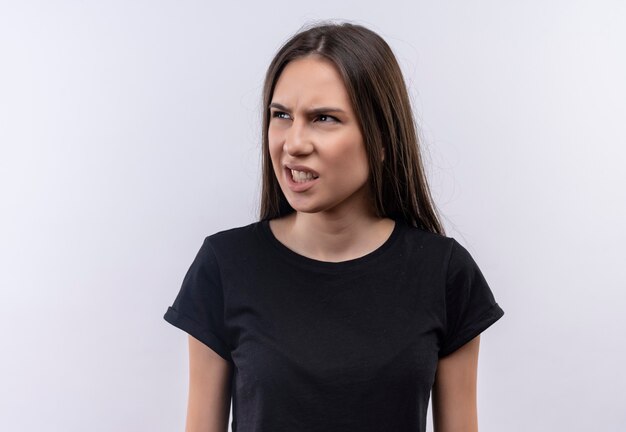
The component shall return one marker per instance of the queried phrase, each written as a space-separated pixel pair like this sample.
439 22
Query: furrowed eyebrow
320 110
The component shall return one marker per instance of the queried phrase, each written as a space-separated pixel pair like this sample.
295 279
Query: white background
130 130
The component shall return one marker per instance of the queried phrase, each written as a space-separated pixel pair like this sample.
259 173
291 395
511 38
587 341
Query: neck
332 237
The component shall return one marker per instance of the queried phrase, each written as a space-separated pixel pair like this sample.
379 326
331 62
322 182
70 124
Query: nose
297 139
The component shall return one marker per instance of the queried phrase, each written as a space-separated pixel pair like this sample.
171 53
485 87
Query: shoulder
233 239
440 250
434 244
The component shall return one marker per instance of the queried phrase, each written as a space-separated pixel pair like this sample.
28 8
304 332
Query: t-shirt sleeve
470 304
199 306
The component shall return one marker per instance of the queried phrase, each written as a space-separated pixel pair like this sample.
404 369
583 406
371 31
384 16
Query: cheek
353 156
358 165
274 160
274 131
274 142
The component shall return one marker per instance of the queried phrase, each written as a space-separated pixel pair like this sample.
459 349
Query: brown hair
380 100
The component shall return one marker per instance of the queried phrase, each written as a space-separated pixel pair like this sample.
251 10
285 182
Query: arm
208 408
454 390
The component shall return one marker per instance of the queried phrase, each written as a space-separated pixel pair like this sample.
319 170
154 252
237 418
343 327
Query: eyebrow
320 110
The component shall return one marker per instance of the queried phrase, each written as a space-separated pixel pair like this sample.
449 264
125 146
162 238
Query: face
314 129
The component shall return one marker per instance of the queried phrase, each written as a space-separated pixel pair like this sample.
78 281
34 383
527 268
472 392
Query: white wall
129 130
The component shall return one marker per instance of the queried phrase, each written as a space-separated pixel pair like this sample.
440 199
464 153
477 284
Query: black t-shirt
332 346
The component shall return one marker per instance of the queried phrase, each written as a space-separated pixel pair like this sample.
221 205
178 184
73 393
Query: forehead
310 81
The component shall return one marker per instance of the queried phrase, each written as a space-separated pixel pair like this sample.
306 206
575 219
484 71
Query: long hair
380 100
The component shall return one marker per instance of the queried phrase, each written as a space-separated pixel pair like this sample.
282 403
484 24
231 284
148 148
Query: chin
304 209
320 207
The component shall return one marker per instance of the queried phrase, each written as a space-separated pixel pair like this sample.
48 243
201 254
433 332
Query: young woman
345 304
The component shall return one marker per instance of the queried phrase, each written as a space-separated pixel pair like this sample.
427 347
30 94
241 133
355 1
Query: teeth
301 176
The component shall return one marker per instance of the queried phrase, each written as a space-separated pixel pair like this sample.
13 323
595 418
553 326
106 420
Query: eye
331 118
279 114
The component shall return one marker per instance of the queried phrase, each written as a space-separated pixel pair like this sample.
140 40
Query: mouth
301 176
299 181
